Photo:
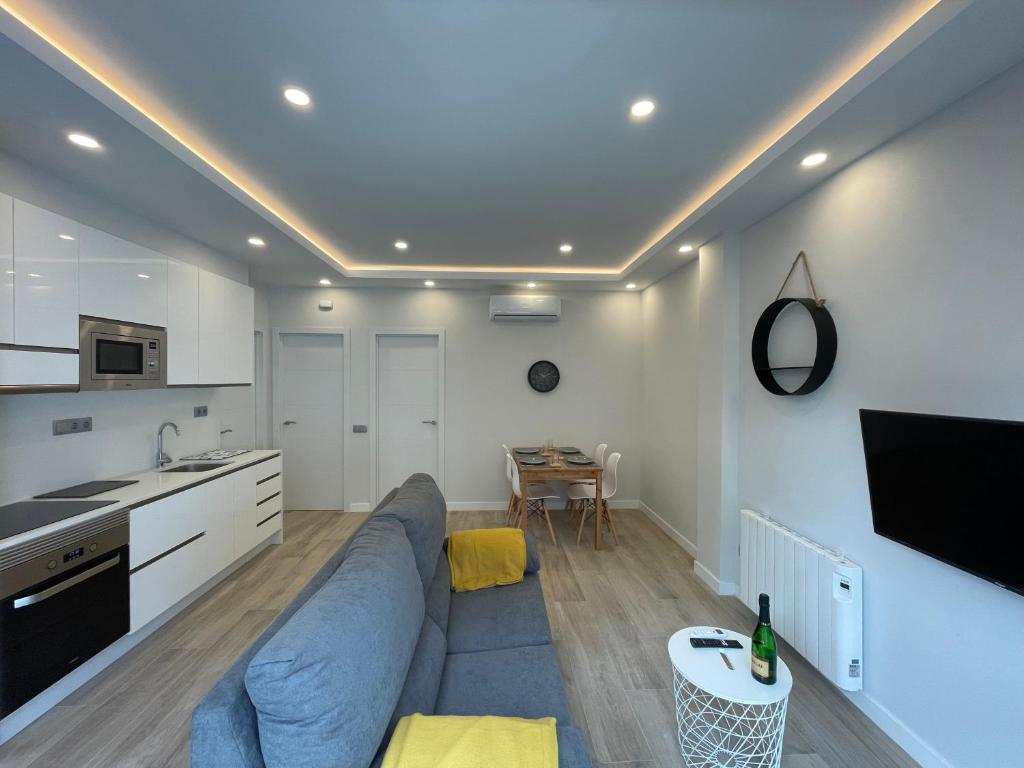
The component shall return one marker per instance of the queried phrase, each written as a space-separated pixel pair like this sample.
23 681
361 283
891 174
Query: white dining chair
584 495
508 476
599 454
537 495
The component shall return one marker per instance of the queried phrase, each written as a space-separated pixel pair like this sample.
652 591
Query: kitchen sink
206 466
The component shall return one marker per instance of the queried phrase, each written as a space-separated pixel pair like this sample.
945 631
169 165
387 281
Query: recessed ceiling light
324 281
84 140
65 237
428 283
816 158
34 274
685 248
256 241
297 96
565 247
401 245
144 277
531 285
630 286
642 109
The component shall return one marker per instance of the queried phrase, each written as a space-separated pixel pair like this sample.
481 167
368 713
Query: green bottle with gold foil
764 657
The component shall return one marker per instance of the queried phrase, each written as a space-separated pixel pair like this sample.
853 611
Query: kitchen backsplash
123 436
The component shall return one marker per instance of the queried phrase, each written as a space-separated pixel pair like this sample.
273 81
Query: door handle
430 421
56 589
289 423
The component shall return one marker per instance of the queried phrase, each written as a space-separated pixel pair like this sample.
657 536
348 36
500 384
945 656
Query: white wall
123 439
919 248
597 346
669 411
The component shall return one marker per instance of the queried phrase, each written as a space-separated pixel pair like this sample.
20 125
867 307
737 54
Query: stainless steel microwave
113 355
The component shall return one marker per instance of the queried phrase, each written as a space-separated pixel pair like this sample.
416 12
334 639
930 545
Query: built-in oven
62 601
114 355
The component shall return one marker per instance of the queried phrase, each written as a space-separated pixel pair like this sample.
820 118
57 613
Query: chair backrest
610 481
599 453
513 476
508 462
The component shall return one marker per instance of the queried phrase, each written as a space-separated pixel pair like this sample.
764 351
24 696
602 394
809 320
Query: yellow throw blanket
422 741
486 557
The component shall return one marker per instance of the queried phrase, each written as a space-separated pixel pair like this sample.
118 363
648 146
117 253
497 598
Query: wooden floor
611 615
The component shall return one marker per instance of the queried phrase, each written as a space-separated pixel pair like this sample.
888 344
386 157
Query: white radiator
816 596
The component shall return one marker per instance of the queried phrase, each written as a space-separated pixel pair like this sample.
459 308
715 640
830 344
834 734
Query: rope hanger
810 278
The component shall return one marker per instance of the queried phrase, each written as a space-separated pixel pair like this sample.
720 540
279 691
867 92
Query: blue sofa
376 635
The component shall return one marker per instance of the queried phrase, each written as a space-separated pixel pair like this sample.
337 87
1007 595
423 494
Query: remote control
710 642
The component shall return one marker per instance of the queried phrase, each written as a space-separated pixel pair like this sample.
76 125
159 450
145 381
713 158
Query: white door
309 388
409 409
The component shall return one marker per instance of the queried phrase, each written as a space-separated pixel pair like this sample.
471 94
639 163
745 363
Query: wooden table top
557 466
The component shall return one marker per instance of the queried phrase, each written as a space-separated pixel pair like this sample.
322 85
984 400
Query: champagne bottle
764 657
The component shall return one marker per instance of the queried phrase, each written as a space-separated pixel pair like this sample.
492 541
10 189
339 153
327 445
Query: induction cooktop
85 490
27 515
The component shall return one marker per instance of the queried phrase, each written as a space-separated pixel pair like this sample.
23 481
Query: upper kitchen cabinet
119 280
182 323
45 278
6 270
226 320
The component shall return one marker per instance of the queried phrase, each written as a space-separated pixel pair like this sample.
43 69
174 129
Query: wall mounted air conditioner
526 307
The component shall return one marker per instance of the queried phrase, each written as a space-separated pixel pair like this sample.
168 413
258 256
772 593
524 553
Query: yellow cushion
486 557
422 741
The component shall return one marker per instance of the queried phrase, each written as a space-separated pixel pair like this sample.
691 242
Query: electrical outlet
200 411
72 426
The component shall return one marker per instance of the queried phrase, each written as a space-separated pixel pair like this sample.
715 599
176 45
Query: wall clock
543 376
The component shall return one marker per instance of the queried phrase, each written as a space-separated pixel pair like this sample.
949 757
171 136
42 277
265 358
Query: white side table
726 719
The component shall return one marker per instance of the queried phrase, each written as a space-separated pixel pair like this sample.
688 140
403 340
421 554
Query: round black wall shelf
824 356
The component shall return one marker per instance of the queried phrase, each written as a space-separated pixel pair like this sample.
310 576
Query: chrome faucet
161 457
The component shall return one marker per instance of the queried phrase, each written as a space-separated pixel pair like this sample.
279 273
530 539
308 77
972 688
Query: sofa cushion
225 731
325 685
514 682
439 596
500 617
420 508
424 678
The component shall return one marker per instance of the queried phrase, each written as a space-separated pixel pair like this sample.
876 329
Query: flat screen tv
950 487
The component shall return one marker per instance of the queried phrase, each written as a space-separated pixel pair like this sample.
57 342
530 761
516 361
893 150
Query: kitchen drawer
268 487
161 525
269 518
164 582
268 468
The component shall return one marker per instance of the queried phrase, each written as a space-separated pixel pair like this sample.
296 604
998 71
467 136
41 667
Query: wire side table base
719 733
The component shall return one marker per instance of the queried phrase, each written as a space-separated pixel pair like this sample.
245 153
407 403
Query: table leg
598 511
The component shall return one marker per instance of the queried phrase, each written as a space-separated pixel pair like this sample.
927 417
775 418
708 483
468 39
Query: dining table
557 467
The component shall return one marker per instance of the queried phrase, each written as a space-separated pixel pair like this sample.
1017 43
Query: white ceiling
483 133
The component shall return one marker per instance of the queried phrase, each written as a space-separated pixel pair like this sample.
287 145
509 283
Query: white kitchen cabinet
45 278
182 323
6 270
212 322
119 280
226 320
241 321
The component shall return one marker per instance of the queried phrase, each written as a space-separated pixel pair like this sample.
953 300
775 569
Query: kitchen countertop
152 484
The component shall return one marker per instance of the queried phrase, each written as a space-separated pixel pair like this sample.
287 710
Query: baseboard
359 506
671 532
712 582
919 749
43 702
